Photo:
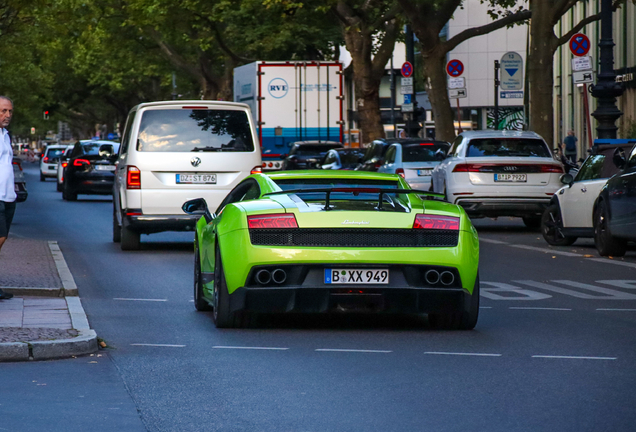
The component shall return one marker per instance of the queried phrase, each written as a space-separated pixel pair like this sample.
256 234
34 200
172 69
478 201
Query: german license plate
511 177
357 276
196 178
424 172
105 167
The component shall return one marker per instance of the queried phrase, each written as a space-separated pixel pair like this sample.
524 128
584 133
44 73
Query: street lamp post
606 89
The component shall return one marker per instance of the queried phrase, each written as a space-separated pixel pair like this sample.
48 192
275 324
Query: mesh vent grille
354 238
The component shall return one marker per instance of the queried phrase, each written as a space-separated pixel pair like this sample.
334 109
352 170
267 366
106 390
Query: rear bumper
494 207
337 300
149 224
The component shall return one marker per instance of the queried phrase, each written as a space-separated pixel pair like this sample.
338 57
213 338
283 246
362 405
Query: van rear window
195 130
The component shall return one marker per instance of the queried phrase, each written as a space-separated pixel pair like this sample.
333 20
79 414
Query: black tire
67 194
552 226
603 240
200 303
464 320
116 227
222 316
42 178
532 222
129 238
60 186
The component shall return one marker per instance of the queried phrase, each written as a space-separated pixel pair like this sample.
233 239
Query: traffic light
46 114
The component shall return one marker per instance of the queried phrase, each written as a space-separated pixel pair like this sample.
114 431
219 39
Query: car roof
194 103
55 147
334 174
331 143
405 141
500 134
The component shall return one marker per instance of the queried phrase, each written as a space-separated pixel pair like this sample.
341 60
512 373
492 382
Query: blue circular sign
278 88
580 45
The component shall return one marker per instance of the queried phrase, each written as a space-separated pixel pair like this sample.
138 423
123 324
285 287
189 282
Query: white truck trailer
291 101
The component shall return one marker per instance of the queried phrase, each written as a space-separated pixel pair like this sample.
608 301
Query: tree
370 29
543 44
427 18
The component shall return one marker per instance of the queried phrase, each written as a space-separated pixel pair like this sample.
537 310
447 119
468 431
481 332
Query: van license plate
357 276
196 178
511 177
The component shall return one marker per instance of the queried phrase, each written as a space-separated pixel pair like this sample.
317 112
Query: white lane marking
250 348
351 350
490 290
613 294
541 308
485 307
613 309
609 261
158 345
492 241
551 251
139 299
463 354
561 290
620 283
573 357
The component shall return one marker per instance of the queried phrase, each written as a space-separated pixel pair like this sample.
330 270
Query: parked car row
599 202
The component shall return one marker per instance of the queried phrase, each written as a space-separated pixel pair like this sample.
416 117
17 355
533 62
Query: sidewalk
45 318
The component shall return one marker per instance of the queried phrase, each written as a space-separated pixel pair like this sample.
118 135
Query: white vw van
172 152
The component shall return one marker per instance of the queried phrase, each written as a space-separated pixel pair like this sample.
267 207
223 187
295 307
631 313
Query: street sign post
457 93
511 71
408 108
454 68
406 81
407 69
580 45
406 89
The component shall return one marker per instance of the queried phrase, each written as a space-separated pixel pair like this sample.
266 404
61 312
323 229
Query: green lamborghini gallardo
334 241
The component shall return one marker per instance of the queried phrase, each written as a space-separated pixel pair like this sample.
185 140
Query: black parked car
308 154
342 159
90 169
374 155
615 207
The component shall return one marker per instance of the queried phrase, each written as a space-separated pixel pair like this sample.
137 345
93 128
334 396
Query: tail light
281 220
18 164
46 159
133 177
436 222
533 168
64 164
256 170
81 162
400 171
377 165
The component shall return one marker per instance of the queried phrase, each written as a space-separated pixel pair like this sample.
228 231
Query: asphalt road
554 348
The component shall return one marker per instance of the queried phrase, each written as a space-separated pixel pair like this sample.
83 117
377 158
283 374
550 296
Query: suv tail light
46 159
81 162
133 177
436 222
281 220
400 171
64 164
257 170
552 168
528 168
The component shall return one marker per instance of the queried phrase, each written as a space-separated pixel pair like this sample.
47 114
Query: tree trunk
434 63
543 43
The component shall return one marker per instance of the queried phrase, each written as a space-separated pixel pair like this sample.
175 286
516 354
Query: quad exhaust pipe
264 277
433 277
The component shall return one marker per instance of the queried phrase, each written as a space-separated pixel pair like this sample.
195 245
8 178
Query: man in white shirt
7 187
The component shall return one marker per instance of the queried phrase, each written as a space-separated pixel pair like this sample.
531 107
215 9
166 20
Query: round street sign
407 69
454 68
579 45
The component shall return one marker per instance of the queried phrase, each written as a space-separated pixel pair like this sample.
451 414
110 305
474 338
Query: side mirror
197 206
567 179
619 158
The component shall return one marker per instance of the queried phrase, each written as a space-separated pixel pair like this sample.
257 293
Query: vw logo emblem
195 161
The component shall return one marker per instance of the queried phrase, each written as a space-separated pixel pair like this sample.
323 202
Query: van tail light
81 162
280 220
400 171
256 170
133 177
436 222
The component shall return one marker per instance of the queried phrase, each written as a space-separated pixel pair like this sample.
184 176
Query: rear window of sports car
339 200
194 130
493 147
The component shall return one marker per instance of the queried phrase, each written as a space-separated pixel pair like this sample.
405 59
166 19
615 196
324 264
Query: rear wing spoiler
356 191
